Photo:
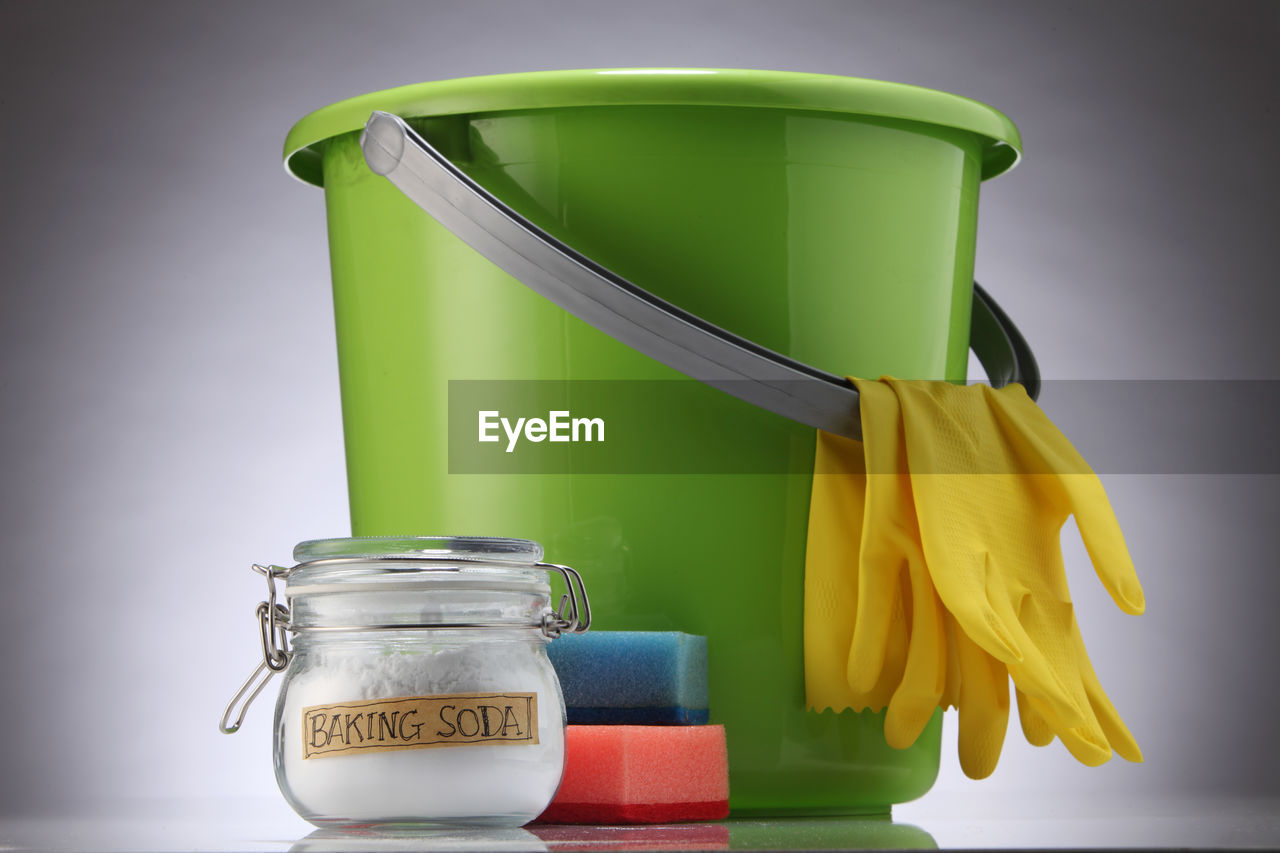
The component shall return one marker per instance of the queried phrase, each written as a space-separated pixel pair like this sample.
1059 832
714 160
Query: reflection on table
835 833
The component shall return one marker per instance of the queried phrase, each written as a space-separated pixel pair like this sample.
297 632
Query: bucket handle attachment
639 319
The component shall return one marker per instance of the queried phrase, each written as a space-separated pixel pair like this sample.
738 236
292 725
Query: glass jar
418 688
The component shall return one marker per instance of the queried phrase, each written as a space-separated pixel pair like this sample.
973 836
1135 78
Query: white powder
484 783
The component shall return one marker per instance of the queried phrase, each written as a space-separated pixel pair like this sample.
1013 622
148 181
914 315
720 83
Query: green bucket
829 219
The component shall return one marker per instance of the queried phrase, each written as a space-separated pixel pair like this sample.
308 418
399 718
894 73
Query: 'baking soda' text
419 722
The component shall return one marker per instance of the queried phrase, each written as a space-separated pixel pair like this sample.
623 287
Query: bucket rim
1002 144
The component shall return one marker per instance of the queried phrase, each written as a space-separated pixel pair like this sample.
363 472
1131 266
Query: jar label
419 722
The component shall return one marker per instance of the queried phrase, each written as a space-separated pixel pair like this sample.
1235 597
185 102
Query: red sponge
642 774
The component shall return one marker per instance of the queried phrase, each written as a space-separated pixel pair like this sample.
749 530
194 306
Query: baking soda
495 783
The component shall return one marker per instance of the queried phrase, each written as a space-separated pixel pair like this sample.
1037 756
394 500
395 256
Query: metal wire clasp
273 628
576 619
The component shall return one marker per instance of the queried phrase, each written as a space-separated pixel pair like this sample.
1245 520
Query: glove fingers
1105 542
1049 671
1045 450
924 677
1117 733
1114 729
984 708
879 630
878 606
881 557
1058 634
995 633
1035 728
1033 672
1085 735
830 573
874 683
1087 744
975 610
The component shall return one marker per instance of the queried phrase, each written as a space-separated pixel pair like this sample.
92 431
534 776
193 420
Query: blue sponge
632 677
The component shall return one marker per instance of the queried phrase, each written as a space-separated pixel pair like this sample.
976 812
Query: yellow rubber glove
983 706
901 651
993 481
892 576
831 586
876 634
904 651
943 666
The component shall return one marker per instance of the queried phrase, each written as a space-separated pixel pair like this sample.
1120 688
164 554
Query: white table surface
268 825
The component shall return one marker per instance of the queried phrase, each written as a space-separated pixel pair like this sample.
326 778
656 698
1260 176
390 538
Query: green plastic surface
1001 144
771 205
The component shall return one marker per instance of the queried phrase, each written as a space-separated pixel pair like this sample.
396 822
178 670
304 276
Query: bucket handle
645 322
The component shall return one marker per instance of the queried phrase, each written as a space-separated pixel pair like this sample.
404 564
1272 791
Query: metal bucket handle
635 317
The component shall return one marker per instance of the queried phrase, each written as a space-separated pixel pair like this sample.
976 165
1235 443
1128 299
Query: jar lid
391 563
464 548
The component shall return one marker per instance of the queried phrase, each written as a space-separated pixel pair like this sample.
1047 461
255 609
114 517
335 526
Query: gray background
170 387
